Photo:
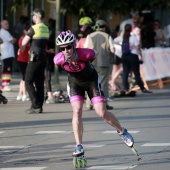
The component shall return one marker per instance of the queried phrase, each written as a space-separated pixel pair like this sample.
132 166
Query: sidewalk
16 77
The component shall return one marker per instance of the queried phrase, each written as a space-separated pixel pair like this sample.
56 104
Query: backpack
126 47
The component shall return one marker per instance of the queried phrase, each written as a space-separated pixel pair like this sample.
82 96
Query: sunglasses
67 47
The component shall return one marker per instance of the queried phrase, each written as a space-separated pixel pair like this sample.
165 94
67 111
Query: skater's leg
100 109
77 121
79 159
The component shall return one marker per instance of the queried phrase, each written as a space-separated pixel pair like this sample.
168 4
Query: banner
156 63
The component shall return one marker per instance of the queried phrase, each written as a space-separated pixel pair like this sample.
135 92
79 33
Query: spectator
87 31
168 34
50 99
83 23
80 44
19 27
51 43
160 38
127 20
38 34
131 58
148 36
23 57
136 26
116 68
7 55
18 32
100 41
50 64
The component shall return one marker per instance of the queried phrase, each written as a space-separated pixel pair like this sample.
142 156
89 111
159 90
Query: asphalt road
46 142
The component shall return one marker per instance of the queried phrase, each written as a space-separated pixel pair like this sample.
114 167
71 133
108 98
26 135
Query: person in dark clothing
148 36
34 78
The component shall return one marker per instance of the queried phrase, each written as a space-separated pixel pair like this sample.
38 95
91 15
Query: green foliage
13 5
100 8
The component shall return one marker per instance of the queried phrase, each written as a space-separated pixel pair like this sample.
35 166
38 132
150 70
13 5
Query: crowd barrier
156 64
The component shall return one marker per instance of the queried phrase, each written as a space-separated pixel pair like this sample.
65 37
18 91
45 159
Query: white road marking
53 132
24 168
112 167
156 144
85 146
113 131
14 147
1 132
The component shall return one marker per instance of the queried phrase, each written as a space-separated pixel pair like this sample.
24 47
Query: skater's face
67 50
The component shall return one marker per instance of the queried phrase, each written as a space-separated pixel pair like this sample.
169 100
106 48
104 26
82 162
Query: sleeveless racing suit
82 76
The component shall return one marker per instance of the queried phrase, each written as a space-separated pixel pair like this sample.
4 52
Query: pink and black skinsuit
82 76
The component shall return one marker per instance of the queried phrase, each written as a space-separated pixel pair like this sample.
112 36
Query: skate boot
79 159
128 139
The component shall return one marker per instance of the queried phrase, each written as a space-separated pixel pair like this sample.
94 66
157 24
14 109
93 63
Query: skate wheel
135 151
79 163
75 162
83 163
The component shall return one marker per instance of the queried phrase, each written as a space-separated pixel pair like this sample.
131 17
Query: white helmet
65 37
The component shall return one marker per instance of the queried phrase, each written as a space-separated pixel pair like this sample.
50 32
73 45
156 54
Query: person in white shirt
7 55
117 67
131 58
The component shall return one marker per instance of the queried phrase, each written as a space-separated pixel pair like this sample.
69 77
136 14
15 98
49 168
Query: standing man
7 55
101 42
34 78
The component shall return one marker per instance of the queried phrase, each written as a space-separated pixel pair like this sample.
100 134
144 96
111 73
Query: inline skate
128 139
79 159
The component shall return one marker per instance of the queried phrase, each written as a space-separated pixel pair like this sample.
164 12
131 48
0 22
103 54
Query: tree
100 8
12 5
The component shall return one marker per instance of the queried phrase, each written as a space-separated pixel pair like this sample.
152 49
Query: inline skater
82 77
